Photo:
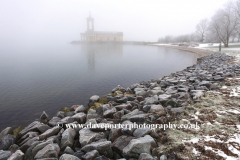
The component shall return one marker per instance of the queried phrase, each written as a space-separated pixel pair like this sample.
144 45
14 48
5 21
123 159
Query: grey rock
67 120
164 97
102 147
31 127
49 151
38 147
146 108
28 153
163 157
91 121
114 133
4 155
43 127
81 108
86 136
145 156
68 150
120 143
140 93
79 154
49 133
68 157
128 129
54 121
140 132
138 146
92 100
123 106
60 114
177 111
6 131
152 100
7 141
139 119
91 155
18 155
28 143
157 109
127 116
68 138
109 113
80 118
92 114
122 100
44 116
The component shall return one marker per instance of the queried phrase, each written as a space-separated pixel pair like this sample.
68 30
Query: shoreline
152 102
198 51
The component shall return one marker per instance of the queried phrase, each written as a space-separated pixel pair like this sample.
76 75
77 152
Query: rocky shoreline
153 102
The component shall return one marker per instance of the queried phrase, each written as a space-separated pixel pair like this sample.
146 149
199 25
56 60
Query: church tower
90 23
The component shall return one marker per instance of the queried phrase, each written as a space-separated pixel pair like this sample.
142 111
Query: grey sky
64 20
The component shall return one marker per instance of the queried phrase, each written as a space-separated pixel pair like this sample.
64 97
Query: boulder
127 116
139 119
68 138
92 100
86 136
104 148
81 108
49 133
44 116
6 141
114 133
6 131
80 118
68 150
145 156
140 132
60 114
31 127
92 114
18 155
157 109
54 121
4 155
28 143
39 147
152 100
91 155
138 146
109 113
49 151
68 157
43 127
120 143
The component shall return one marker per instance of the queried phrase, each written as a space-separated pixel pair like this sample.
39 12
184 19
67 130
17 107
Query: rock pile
153 102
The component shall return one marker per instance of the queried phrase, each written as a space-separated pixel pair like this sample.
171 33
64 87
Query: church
95 36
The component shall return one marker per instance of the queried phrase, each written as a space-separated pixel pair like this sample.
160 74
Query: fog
25 21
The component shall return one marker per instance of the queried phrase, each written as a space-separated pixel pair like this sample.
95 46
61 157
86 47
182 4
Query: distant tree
201 28
223 23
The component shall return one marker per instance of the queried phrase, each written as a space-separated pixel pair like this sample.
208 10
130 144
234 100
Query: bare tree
202 27
223 23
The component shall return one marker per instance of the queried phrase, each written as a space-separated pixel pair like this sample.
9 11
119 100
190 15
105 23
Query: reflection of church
95 52
95 36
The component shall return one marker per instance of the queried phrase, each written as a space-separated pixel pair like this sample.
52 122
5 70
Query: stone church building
95 36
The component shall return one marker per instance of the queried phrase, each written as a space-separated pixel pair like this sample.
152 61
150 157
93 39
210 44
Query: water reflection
100 50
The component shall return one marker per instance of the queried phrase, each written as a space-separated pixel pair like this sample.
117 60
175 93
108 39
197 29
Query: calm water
48 77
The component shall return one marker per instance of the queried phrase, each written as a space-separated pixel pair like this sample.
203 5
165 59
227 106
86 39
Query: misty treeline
224 26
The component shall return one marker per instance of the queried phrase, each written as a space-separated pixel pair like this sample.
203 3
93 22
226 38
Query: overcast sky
139 20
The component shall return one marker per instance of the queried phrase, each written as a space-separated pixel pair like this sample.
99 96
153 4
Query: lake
36 78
